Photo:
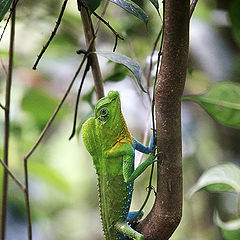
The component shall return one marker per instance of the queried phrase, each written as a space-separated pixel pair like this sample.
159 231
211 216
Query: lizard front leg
128 174
141 148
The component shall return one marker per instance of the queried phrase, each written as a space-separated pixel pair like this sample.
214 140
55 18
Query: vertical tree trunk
167 210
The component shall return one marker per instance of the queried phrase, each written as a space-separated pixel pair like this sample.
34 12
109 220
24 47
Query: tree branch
89 35
117 36
167 210
27 201
14 178
7 124
52 34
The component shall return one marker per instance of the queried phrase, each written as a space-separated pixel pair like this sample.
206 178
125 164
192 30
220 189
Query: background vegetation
62 181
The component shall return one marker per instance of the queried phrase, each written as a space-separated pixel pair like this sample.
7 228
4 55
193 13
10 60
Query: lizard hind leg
124 228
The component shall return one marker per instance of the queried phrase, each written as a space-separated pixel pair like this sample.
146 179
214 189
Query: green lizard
111 146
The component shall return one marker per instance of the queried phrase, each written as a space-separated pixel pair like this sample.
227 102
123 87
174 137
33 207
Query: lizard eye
103 113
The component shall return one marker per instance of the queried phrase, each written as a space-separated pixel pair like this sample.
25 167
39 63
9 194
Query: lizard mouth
102 119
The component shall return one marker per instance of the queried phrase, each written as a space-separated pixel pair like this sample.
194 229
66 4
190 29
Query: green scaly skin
110 144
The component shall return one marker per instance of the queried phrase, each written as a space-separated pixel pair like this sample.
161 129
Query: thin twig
151 59
102 15
78 97
157 70
108 25
56 111
156 75
117 36
52 34
9 17
82 4
30 152
7 123
1 106
27 201
149 189
116 43
26 157
192 7
14 178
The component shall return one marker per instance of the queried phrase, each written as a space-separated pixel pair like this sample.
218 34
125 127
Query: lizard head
108 109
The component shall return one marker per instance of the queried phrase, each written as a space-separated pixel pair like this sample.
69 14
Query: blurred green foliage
222 101
40 105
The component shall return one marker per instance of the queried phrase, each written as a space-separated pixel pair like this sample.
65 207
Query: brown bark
166 214
89 38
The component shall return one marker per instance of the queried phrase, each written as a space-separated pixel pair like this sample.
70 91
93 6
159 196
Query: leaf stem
7 124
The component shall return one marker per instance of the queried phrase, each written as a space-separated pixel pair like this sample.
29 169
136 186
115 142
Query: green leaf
4 7
127 62
221 178
92 4
230 230
235 19
132 8
51 176
155 4
222 102
119 73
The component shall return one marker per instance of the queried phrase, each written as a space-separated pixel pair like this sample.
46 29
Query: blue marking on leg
141 148
131 215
